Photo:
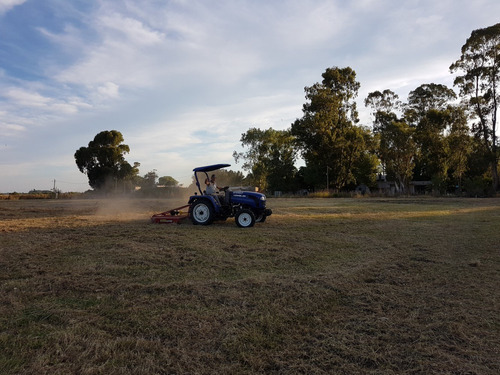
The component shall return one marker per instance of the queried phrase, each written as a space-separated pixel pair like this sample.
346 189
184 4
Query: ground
347 286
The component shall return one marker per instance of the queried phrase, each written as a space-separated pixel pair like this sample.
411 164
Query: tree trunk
494 174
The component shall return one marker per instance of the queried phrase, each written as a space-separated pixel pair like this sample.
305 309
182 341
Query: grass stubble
324 286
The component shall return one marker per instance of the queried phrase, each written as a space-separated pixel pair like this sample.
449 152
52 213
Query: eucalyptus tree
385 105
427 97
398 151
103 161
327 134
168 181
270 158
428 110
461 145
479 80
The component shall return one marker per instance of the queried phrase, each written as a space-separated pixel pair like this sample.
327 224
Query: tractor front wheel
202 213
245 219
261 218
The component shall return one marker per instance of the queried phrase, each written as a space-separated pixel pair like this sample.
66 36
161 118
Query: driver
211 188
211 185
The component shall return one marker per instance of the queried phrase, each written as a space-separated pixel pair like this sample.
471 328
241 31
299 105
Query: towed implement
172 216
247 207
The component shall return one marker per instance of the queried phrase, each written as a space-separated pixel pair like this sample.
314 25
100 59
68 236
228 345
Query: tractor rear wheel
245 219
202 213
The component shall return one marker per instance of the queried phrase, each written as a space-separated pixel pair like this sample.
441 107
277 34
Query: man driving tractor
211 188
205 206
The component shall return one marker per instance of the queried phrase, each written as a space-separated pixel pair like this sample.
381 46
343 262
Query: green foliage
327 133
103 161
149 180
478 186
365 169
479 87
398 151
431 142
425 98
384 106
429 111
227 177
432 145
168 181
270 158
386 101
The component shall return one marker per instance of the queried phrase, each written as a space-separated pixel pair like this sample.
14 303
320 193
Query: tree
398 152
367 165
426 97
227 177
150 179
429 111
384 106
460 145
167 181
103 161
270 158
327 133
479 83
131 177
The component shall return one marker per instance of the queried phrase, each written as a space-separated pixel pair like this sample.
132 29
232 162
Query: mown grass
353 286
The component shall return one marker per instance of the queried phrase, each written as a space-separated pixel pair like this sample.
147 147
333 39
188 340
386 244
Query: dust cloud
123 209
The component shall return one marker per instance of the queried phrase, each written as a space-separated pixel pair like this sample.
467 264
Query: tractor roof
210 168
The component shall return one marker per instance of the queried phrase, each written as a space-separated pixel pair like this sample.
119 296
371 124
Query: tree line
433 136
436 135
103 161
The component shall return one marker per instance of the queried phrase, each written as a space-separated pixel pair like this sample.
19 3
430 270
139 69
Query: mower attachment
171 216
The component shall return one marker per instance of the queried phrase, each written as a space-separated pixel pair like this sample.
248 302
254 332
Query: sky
182 80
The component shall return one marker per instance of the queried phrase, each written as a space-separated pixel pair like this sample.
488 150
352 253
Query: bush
478 186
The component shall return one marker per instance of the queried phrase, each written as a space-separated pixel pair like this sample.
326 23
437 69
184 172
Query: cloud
26 98
134 54
132 30
25 108
20 97
109 90
6 5
9 130
182 80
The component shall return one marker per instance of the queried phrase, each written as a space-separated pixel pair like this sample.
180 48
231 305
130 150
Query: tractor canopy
205 169
210 168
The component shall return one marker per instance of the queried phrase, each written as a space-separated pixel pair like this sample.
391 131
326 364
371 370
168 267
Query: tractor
247 207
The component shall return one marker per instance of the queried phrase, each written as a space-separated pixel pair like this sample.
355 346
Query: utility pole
54 189
327 179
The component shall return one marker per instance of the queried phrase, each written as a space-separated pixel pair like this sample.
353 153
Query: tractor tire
202 213
245 219
261 218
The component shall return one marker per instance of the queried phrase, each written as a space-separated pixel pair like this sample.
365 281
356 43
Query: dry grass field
325 286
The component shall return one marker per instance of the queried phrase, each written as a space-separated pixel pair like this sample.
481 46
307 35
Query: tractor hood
249 199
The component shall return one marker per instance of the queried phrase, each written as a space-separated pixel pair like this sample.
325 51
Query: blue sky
183 79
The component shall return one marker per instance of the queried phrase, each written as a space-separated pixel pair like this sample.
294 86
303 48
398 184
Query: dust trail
124 209
121 209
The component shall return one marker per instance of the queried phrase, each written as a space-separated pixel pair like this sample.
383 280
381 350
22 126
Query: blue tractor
247 207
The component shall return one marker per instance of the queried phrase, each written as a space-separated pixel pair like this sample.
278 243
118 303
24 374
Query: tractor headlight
263 198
